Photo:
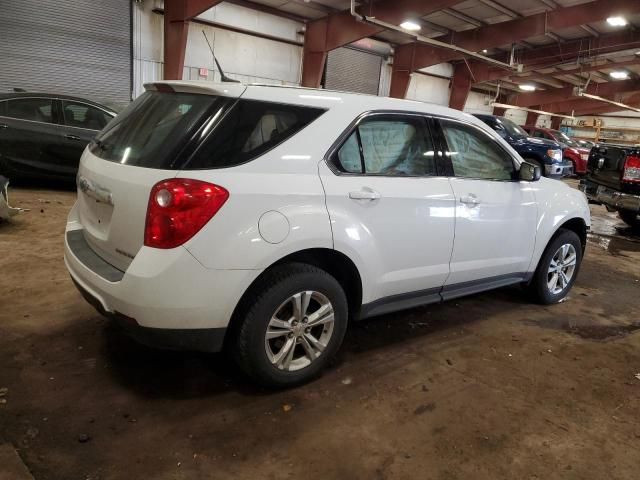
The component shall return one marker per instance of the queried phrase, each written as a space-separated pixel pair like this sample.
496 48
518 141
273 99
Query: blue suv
545 153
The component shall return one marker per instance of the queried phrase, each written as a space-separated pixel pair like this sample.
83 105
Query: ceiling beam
341 28
509 32
561 94
550 56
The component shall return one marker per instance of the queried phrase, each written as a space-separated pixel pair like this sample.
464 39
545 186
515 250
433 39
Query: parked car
546 154
42 136
264 219
613 179
588 144
571 150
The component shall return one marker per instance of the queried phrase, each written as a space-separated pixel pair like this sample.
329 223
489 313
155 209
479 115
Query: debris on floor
6 211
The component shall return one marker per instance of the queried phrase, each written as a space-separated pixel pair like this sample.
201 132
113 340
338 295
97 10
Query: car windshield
512 128
564 138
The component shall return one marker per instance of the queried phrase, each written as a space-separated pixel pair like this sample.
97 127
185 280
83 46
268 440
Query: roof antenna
223 77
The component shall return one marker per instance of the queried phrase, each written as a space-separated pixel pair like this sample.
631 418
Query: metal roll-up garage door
75 47
352 70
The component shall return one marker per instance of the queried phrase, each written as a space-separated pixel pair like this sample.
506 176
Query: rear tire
294 325
558 268
630 218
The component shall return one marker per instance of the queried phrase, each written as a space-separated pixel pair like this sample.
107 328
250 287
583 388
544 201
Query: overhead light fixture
527 87
541 112
410 25
484 50
619 74
579 93
617 21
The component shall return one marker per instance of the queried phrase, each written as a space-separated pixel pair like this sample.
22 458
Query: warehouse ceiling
559 53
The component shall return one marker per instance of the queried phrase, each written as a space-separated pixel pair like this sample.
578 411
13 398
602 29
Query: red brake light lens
178 209
631 172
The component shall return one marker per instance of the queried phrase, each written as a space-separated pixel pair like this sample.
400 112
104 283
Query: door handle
364 195
4 125
72 137
470 199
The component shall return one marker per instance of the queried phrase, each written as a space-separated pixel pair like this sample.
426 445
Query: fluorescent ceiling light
527 87
617 21
541 112
619 74
410 25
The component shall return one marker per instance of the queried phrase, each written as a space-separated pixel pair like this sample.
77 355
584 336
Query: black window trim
331 156
515 163
63 121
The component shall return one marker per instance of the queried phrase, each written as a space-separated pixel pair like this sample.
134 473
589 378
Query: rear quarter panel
283 180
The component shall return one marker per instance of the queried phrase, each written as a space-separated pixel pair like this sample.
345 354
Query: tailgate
112 206
606 163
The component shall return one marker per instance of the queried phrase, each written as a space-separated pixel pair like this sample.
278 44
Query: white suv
263 219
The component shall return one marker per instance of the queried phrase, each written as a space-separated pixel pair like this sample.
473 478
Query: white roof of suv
313 97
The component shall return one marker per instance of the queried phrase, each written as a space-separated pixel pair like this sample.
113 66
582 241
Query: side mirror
530 172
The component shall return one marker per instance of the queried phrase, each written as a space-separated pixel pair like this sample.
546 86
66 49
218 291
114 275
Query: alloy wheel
299 330
561 268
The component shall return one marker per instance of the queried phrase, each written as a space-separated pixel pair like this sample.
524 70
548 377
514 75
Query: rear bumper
197 339
165 298
558 169
611 198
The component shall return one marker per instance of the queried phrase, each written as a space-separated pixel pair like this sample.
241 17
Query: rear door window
82 115
390 145
250 129
33 109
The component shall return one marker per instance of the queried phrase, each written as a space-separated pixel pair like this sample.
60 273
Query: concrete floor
485 387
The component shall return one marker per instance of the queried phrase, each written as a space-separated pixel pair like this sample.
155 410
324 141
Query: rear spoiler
206 88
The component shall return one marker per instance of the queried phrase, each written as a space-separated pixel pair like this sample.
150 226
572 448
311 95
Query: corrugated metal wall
351 70
78 47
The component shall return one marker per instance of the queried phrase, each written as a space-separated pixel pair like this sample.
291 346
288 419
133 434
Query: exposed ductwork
431 41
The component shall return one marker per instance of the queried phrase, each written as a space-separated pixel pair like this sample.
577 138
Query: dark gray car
42 136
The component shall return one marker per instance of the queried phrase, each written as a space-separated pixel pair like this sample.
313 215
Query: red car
571 150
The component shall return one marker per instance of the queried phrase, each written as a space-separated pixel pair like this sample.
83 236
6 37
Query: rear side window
82 115
34 109
250 129
153 129
391 145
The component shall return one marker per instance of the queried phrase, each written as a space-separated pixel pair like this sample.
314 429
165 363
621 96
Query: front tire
558 268
294 324
630 218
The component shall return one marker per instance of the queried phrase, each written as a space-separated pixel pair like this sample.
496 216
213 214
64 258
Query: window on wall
474 154
388 145
34 109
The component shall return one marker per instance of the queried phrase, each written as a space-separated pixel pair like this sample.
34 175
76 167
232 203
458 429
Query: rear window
152 131
250 129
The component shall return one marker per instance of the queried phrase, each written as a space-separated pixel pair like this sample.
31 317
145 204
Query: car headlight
555 154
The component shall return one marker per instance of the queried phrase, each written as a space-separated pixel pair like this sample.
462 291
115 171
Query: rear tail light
631 172
178 209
